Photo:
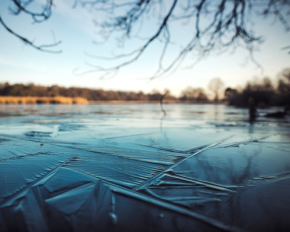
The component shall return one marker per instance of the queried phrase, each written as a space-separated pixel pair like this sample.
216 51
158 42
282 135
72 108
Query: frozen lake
127 167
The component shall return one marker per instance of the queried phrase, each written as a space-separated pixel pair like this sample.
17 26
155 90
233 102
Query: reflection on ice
117 168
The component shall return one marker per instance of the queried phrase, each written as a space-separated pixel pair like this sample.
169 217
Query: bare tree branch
226 28
142 49
30 43
21 6
215 26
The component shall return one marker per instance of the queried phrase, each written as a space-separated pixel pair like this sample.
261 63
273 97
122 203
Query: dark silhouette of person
252 110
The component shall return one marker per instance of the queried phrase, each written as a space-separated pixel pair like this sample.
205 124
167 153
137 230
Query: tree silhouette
193 95
216 85
230 92
284 83
215 26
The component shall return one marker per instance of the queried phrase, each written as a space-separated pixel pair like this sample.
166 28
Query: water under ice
128 168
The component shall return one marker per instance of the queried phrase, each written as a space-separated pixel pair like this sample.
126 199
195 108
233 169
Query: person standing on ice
252 109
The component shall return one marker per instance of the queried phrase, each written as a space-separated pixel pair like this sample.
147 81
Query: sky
20 63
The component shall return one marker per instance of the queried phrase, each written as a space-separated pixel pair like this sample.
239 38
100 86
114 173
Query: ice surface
128 168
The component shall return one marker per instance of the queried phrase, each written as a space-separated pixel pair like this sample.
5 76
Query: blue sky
20 63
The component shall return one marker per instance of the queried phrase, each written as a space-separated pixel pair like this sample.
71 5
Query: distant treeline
31 90
263 92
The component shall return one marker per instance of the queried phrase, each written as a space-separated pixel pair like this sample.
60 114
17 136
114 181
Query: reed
42 100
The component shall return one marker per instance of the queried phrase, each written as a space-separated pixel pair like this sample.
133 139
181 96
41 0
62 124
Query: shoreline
14 100
153 102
